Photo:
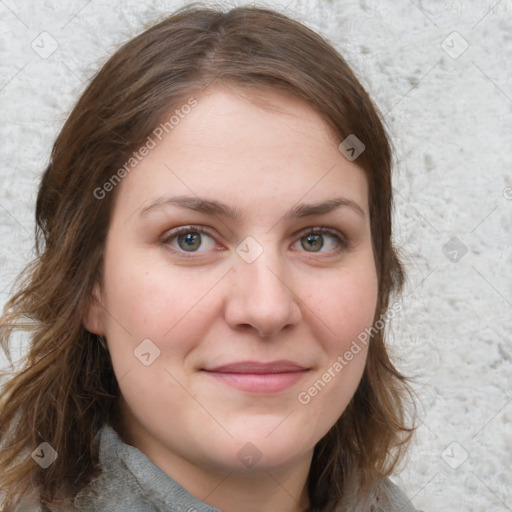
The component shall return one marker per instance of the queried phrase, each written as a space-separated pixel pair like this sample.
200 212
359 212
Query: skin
261 152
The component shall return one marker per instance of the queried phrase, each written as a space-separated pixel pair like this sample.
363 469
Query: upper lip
281 366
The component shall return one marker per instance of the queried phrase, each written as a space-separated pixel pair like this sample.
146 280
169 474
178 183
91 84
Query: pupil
191 240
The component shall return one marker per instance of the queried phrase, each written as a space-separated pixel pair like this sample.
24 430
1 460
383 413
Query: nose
261 295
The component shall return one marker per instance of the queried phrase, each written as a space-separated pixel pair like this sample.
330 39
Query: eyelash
172 235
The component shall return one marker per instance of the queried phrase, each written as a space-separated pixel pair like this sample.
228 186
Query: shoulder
116 489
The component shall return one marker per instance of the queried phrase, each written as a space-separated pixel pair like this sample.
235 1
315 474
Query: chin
264 452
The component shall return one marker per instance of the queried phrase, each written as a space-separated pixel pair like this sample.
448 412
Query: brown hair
66 390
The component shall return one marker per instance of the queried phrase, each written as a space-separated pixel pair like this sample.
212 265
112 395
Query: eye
189 239
316 239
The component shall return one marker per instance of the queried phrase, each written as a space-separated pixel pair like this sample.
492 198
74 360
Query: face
238 271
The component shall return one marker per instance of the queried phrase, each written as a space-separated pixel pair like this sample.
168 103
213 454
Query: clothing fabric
131 482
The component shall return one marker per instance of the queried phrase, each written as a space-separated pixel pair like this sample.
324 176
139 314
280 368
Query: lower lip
259 382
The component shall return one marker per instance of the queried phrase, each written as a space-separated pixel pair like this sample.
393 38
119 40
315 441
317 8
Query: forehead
258 147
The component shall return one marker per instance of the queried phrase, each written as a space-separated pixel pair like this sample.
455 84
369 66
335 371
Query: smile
256 377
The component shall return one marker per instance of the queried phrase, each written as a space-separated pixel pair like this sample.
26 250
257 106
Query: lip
281 366
258 377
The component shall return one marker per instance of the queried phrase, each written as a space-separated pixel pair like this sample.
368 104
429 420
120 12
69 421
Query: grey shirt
131 482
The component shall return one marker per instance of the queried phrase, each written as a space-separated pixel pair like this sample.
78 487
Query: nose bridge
262 293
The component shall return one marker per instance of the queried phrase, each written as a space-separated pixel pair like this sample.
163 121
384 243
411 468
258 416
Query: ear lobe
93 318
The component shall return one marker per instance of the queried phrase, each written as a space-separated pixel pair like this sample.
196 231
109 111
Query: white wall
450 117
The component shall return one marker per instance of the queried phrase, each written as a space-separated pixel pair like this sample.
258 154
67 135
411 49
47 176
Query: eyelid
173 233
323 230
191 228
343 241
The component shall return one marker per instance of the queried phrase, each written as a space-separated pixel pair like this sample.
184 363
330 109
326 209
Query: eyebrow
216 207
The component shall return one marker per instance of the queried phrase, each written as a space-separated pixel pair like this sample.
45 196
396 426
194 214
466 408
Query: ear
93 318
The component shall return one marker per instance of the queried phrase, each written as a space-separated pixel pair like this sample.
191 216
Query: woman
214 275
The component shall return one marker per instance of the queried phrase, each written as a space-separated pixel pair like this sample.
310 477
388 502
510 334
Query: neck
281 489
284 490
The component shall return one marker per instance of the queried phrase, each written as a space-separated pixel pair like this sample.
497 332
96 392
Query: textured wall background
441 73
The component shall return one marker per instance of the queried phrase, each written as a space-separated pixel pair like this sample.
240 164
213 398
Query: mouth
258 377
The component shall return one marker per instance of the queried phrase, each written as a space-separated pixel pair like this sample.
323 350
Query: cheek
137 300
347 305
146 298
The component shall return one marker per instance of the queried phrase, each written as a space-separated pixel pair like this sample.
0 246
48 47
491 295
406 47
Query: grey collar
131 481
